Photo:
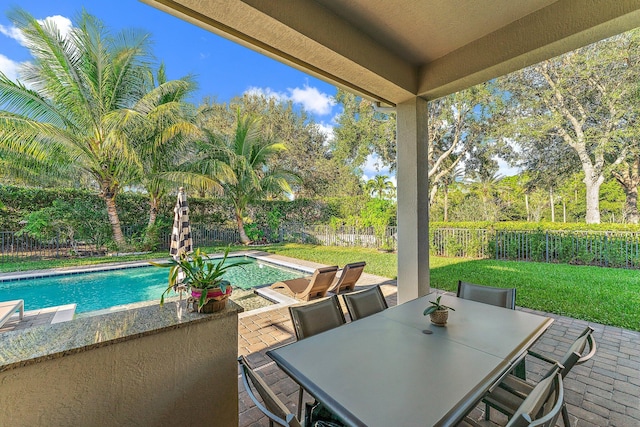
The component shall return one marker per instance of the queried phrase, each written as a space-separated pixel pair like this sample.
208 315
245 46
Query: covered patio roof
391 51
403 53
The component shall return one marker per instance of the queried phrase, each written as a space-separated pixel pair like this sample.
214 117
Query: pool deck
43 316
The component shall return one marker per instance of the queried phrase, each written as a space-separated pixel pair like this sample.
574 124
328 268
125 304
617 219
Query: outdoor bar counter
151 366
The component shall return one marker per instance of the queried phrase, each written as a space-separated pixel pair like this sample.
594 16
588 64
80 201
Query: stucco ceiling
393 50
421 31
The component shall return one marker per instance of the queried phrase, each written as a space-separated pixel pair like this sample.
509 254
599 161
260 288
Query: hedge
133 208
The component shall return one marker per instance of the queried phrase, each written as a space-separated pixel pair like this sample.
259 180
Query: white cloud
63 24
9 67
13 33
326 129
311 98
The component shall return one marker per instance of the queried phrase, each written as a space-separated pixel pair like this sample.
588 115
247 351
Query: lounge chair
350 275
306 288
7 308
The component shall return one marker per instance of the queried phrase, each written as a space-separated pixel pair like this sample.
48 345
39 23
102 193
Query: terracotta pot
439 317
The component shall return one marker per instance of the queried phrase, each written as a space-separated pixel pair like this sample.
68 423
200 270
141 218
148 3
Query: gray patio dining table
383 370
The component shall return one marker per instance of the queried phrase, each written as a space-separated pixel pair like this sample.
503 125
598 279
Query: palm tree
487 186
72 101
380 186
161 125
240 164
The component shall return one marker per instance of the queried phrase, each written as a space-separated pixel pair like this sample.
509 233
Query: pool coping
123 265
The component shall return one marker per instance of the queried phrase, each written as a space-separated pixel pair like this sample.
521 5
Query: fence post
546 236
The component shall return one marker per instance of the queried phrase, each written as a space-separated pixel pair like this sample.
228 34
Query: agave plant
435 306
199 272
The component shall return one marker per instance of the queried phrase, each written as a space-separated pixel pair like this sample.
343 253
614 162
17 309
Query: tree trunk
153 210
593 199
446 204
553 208
151 235
526 204
108 194
564 211
244 239
432 195
631 205
629 179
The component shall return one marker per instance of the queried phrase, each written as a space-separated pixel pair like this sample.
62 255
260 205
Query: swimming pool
104 289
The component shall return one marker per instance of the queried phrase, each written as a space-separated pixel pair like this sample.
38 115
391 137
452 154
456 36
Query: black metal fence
326 235
14 246
602 248
459 242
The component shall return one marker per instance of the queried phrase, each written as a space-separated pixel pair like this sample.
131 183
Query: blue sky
222 68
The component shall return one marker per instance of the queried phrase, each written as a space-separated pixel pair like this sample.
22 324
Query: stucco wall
178 377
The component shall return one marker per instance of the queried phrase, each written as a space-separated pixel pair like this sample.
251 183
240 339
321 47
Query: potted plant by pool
203 277
438 313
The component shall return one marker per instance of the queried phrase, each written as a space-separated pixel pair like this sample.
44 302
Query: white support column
413 200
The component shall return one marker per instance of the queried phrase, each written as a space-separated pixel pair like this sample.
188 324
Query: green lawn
26 265
603 295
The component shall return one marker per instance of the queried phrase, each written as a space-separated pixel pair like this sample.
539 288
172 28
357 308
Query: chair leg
565 416
300 403
520 370
487 414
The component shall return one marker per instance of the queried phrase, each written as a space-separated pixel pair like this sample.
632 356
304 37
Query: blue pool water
104 289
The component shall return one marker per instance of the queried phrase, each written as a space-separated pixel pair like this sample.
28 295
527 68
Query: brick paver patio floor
605 391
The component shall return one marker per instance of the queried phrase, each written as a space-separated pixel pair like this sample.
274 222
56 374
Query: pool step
64 313
277 298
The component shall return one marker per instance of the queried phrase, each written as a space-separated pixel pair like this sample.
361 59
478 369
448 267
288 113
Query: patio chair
271 405
508 396
314 318
306 288
365 303
542 406
501 297
7 308
350 275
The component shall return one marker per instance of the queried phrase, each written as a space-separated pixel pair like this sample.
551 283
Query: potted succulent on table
203 277
438 313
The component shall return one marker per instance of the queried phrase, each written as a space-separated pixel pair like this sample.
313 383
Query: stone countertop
33 345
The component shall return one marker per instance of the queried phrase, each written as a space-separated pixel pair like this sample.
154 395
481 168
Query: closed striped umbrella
181 234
